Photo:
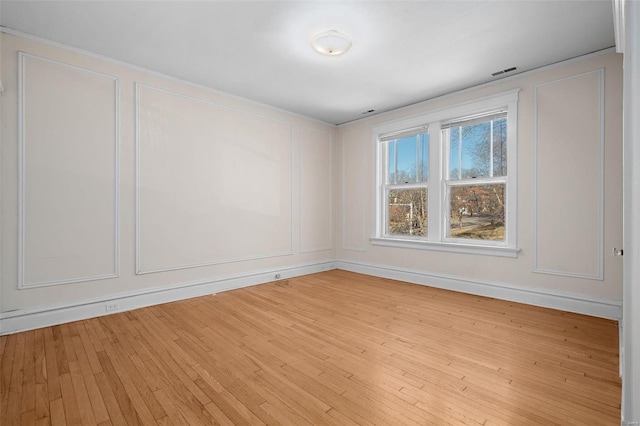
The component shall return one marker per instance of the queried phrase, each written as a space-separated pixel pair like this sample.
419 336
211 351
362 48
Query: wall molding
604 308
139 269
154 73
304 249
22 166
28 319
536 269
510 77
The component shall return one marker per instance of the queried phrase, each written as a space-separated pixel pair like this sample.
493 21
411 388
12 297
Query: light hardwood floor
331 348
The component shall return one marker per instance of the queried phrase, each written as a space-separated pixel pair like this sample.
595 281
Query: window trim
437 185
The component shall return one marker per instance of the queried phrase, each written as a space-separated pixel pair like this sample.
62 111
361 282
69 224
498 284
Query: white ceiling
403 51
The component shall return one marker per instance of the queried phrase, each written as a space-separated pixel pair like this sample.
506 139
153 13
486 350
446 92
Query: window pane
474 149
477 212
408 212
500 147
406 159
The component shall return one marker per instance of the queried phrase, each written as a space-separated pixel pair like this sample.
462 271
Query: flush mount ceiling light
331 43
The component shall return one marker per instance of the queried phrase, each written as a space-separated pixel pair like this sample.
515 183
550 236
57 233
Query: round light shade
331 43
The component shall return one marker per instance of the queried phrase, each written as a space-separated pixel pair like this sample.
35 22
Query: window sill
447 247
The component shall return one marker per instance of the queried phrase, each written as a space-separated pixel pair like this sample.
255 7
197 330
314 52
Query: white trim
604 308
156 73
362 248
600 274
21 174
510 77
453 247
630 336
29 319
301 201
618 24
449 112
139 270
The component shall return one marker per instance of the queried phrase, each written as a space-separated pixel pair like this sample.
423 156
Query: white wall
569 211
122 188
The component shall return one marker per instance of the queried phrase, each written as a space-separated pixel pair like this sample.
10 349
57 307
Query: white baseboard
604 308
29 319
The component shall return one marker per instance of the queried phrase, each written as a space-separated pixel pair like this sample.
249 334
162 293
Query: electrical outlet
109 307
277 276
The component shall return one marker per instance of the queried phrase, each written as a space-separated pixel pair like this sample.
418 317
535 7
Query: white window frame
437 202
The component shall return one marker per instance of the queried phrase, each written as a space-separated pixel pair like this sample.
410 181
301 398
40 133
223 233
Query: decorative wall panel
354 178
213 183
316 211
68 181
569 176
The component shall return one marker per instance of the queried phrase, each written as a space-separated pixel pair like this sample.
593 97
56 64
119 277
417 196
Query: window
446 181
476 176
406 178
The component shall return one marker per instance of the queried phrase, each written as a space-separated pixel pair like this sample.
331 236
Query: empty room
320 212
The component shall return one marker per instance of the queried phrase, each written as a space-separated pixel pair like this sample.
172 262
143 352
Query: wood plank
111 402
52 375
110 384
40 371
29 376
57 412
6 367
15 390
71 409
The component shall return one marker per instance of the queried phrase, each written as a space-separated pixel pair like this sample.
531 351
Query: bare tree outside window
478 151
477 212
408 212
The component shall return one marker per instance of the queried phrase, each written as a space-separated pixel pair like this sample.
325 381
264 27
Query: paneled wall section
569 176
569 194
355 190
316 197
123 188
210 179
68 184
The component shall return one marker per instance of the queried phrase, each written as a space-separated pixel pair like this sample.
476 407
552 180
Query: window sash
420 166
476 181
401 134
470 120
451 137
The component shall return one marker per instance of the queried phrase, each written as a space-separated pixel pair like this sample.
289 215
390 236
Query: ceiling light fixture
331 43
